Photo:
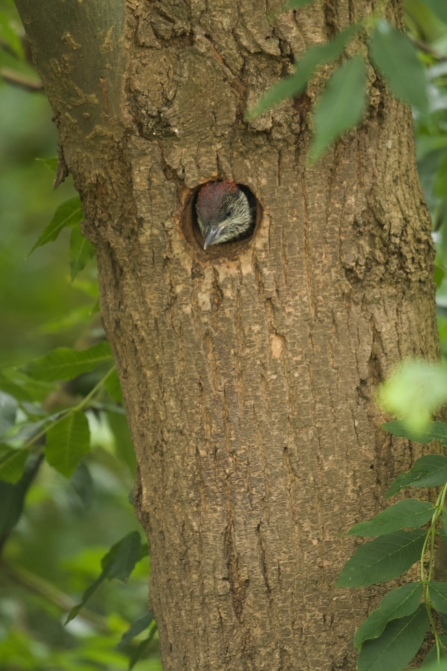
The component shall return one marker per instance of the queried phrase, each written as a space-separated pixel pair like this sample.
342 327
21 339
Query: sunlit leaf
382 559
65 364
414 391
67 214
12 463
428 471
395 57
67 442
341 106
406 513
81 251
305 68
396 604
398 644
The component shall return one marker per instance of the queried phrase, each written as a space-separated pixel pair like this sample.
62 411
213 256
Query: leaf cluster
393 633
342 103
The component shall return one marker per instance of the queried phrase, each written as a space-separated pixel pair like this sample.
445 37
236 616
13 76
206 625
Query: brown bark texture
248 370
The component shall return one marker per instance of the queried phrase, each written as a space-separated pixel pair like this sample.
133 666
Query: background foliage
52 546
54 552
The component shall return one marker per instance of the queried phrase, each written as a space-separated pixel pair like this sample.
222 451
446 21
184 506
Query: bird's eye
229 213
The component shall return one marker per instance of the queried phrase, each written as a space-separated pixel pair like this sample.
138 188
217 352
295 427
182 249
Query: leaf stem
426 574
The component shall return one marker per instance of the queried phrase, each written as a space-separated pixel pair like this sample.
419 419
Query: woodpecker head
223 213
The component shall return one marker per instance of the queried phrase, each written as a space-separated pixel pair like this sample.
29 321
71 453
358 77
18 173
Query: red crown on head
212 195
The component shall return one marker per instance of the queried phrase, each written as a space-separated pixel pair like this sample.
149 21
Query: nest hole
193 235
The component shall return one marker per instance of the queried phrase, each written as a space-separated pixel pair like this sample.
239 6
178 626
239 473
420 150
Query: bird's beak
210 237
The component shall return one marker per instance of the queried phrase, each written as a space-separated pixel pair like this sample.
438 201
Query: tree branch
22 81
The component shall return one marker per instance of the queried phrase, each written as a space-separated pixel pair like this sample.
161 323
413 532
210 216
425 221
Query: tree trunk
248 370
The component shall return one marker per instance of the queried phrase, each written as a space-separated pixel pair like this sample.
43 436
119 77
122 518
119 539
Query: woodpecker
223 213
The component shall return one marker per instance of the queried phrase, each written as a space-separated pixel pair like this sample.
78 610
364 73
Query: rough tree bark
248 370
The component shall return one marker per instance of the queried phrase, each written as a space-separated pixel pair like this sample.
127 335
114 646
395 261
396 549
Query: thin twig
22 81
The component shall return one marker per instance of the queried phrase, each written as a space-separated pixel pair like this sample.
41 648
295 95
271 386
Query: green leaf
438 7
27 431
341 105
87 594
10 36
396 604
67 442
123 443
81 251
398 644
127 556
141 649
118 563
305 68
135 629
8 411
65 364
12 496
429 143
67 214
406 513
430 663
295 4
287 7
414 391
428 471
12 463
433 431
113 387
440 186
395 57
67 321
82 483
438 596
50 163
382 559
14 389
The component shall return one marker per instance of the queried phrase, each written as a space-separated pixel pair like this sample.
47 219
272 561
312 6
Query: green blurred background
54 552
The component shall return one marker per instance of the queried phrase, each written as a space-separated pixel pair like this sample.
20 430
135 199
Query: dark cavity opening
229 249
